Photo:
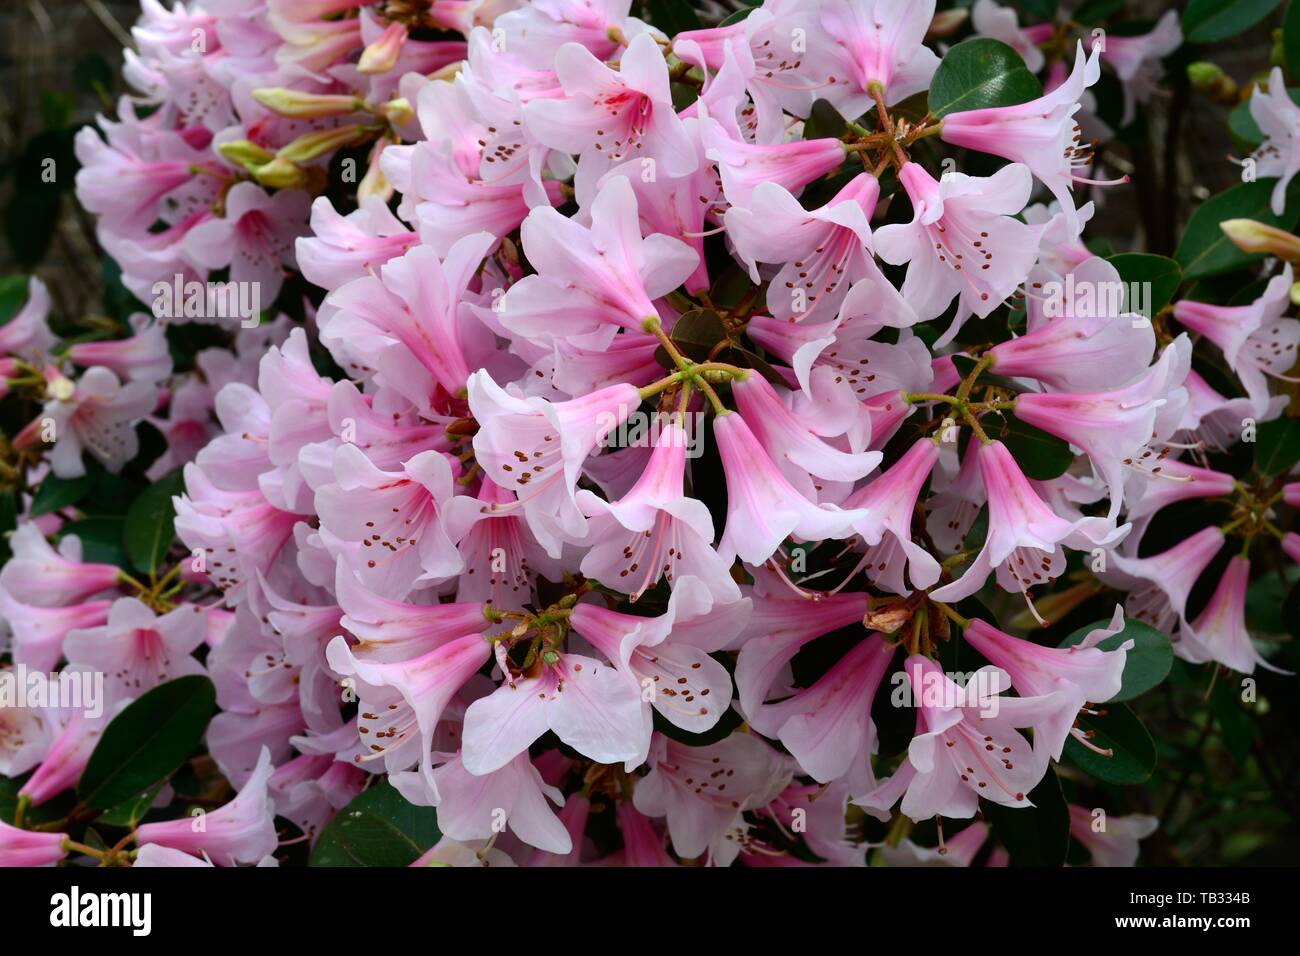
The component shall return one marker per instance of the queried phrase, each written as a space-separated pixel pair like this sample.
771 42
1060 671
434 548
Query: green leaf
1277 446
824 122
1037 835
979 73
130 812
150 522
57 493
8 520
1206 251
1242 125
673 16
146 743
1117 729
1162 274
1205 21
1147 662
91 74
695 333
57 109
378 828
736 17
1044 10
101 539
1092 12
1041 456
13 294
1235 723
1291 39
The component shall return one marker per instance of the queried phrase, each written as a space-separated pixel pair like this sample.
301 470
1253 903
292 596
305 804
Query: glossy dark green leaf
1146 663
824 122
1041 456
736 17
13 294
101 539
695 333
1234 723
979 73
8 520
1291 39
1277 446
1207 21
93 75
673 16
132 811
146 743
378 828
1205 250
56 493
1245 131
150 522
1161 275
1037 835
1118 730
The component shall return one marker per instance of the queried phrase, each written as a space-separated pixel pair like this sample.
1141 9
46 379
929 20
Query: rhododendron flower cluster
638 448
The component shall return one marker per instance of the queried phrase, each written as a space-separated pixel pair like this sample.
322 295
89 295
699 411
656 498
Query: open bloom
20 847
386 525
791 443
889 501
537 448
823 252
1112 841
591 281
1042 133
962 240
763 508
1024 532
827 727
668 656
703 791
1158 586
49 578
1082 673
655 531
38 632
990 19
880 42
1278 118
1114 427
614 115
1136 59
468 804
1220 633
1258 340
1078 342
415 306
966 746
590 706
136 649
98 414
255 237
241 831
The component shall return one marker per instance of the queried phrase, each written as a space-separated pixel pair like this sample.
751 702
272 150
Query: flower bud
319 142
381 56
243 153
1210 81
398 111
946 23
279 174
302 105
1251 236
